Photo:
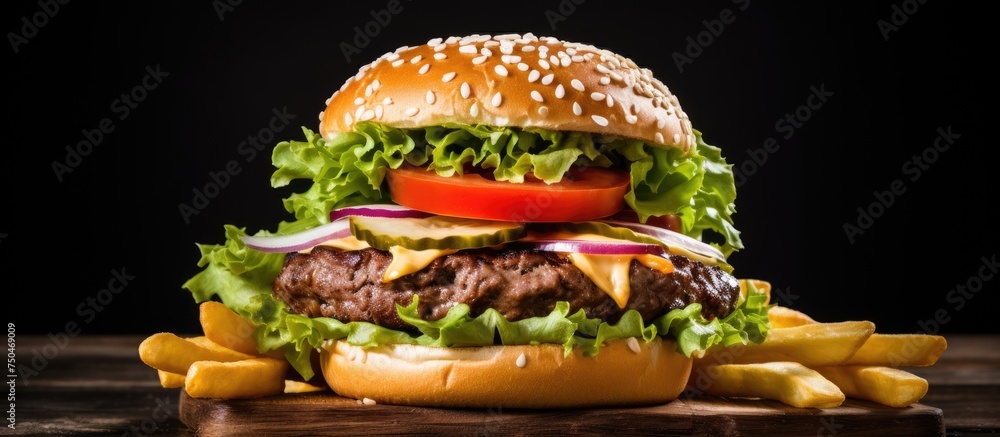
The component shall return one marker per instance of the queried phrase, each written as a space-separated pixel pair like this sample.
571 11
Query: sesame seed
448 76
510 59
605 80
533 76
548 79
603 69
631 119
368 91
320 115
392 56
486 52
424 68
466 91
327 101
660 122
522 66
633 344
416 59
470 49
440 47
560 91
565 62
397 62
387 101
435 41
597 96
537 96
361 110
577 58
577 85
376 85
616 77
474 110
500 69
521 360
677 138
553 59
527 48
348 119
659 138
359 101
368 401
497 100
378 111
602 121
430 97
479 60
440 56
577 109
367 115
491 43
410 112
543 111
611 101
451 40
544 64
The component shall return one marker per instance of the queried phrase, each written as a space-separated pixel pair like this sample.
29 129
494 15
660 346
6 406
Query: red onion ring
671 238
377 211
299 240
598 247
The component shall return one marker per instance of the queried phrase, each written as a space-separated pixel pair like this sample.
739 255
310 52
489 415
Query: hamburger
495 221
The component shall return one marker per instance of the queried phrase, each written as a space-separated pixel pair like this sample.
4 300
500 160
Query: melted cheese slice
608 272
406 261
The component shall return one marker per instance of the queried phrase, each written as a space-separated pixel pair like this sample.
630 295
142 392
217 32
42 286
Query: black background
118 209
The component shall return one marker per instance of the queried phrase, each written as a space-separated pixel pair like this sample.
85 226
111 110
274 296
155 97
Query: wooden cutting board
325 413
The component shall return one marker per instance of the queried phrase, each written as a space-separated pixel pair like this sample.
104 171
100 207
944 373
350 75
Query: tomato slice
584 193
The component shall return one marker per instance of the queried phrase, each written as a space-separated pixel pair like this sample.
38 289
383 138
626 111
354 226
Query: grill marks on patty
519 283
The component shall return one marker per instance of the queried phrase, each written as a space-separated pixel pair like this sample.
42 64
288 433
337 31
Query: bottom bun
497 376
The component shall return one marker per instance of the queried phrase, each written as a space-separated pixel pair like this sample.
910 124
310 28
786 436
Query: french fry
170 353
170 380
248 378
758 284
784 317
885 385
293 386
897 350
224 327
791 383
813 345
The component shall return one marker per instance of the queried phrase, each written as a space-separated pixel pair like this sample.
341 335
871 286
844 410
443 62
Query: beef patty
519 283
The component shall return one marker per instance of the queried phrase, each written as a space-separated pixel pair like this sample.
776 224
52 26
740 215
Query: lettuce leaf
349 168
241 278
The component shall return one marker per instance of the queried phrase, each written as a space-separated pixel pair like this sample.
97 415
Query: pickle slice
437 232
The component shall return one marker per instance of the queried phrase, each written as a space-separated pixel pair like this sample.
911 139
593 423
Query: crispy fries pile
224 363
808 364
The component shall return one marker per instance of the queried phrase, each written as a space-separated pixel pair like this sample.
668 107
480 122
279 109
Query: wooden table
96 385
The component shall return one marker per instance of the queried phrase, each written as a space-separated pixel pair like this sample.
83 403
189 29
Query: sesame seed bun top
510 80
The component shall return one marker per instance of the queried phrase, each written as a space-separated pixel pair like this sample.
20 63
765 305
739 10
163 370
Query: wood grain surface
97 385
702 416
